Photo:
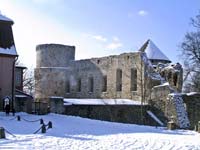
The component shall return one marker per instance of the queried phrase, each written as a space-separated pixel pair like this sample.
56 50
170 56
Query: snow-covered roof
21 96
153 52
101 102
8 51
4 18
192 93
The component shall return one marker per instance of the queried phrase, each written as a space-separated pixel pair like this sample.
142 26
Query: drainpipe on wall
13 82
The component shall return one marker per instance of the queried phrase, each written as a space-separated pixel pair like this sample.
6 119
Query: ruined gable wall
172 73
100 67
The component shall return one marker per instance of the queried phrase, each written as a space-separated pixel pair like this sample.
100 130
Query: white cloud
116 39
142 13
114 45
99 38
96 37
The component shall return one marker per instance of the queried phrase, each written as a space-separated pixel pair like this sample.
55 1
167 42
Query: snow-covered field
77 133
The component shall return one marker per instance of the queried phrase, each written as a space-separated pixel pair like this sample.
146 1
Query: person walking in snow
7 105
7 108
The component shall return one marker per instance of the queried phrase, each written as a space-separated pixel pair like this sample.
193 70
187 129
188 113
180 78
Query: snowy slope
76 133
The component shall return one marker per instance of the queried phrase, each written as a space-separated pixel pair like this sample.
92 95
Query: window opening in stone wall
79 85
133 79
104 87
119 80
169 76
91 84
175 79
68 86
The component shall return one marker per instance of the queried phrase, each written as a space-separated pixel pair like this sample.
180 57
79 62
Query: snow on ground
69 101
77 133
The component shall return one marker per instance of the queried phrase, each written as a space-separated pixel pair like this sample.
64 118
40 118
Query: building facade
8 56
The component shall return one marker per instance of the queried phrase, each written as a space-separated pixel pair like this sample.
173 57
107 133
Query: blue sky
99 27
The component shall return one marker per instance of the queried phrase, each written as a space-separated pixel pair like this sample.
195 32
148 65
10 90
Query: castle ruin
145 76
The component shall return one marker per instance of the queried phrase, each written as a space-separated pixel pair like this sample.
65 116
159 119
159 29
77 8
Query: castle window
133 79
68 86
119 80
104 87
91 84
169 75
79 85
175 79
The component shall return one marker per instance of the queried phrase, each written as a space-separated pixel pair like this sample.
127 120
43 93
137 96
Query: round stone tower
52 64
54 55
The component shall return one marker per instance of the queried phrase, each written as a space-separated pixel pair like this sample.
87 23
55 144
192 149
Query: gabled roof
4 18
153 52
11 50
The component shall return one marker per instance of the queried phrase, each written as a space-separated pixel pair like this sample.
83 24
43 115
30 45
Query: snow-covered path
77 133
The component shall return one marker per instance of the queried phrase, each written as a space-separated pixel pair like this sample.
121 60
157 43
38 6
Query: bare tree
190 48
28 81
142 72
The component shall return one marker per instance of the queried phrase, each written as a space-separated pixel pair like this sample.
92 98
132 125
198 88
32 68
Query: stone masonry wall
49 82
54 55
97 68
192 104
57 74
114 113
52 65
178 110
173 74
170 104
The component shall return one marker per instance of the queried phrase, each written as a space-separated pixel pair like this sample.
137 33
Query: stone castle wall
57 74
54 55
126 76
114 113
173 74
179 108
51 69
192 104
49 82
98 68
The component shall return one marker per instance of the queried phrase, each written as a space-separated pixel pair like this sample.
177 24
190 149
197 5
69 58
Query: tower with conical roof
154 54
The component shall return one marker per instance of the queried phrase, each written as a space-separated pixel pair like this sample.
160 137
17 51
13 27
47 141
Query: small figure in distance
7 105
